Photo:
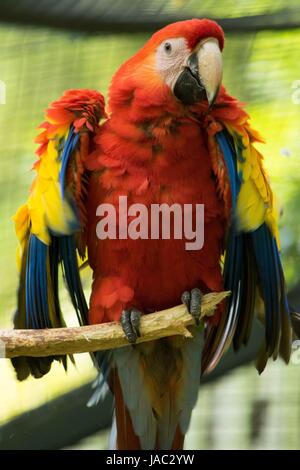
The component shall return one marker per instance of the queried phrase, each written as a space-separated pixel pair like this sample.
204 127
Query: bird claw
130 322
192 300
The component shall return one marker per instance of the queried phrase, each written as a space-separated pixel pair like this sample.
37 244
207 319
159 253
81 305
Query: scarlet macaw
172 134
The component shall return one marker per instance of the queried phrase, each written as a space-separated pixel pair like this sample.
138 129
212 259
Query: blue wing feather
251 258
37 311
61 249
71 271
68 148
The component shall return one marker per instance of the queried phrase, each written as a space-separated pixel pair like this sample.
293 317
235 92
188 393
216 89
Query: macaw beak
202 75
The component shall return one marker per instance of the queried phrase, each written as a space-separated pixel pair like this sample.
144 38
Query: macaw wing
252 261
51 225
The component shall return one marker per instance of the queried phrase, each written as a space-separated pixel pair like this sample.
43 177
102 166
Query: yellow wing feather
255 203
45 208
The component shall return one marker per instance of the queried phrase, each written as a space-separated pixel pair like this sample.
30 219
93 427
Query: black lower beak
188 87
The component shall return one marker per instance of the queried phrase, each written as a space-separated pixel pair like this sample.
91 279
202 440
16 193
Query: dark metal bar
105 17
60 423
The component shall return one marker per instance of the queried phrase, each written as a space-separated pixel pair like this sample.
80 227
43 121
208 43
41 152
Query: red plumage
155 271
154 150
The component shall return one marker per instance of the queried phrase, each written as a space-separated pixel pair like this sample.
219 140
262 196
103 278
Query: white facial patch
171 57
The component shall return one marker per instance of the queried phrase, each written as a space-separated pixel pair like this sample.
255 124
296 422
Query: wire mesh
36 66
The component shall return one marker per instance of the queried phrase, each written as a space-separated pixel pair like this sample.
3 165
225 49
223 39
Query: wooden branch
57 341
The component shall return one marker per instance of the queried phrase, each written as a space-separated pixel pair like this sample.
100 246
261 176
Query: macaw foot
130 321
192 300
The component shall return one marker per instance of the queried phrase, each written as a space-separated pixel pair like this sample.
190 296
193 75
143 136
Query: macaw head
181 63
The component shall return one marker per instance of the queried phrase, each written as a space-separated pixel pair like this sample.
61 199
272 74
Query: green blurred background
240 410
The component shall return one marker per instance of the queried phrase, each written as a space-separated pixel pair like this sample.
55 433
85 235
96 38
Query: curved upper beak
210 67
202 76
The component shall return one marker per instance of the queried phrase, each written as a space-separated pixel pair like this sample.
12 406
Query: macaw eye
167 47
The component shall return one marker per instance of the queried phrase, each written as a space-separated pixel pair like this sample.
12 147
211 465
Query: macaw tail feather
153 404
125 437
